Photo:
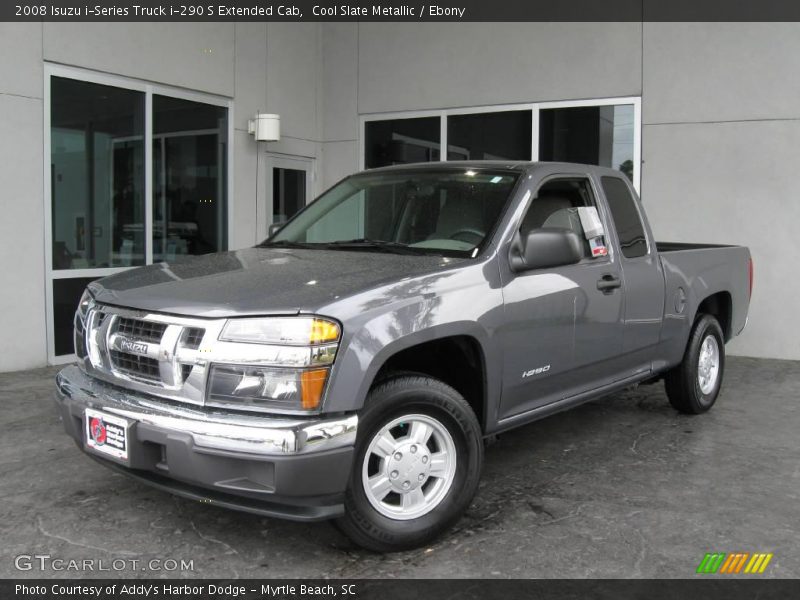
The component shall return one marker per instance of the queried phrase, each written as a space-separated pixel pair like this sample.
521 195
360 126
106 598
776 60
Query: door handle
608 283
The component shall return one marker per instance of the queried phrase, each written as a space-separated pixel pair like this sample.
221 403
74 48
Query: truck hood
257 281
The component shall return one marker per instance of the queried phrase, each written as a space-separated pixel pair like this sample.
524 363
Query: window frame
535 107
149 90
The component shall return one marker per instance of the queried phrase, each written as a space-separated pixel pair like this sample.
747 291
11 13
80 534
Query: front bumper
286 467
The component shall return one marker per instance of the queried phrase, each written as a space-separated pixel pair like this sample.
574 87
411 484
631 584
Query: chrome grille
149 352
147 331
170 356
138 366
193 337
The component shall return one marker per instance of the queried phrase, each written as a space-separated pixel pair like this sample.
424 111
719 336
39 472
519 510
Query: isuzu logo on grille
131 346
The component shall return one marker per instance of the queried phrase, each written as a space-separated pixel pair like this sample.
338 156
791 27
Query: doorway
289 188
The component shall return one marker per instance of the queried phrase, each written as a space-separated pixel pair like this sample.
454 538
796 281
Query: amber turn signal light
311 385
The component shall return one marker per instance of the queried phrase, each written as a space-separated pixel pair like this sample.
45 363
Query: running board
558 406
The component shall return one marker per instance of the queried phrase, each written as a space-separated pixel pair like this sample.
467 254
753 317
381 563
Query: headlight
266 388
301 331
83 304
249 377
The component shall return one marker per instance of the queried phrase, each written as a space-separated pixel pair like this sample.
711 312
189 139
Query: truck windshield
425 211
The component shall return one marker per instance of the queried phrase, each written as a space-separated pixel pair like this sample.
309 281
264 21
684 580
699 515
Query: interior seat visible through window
556 205
460 215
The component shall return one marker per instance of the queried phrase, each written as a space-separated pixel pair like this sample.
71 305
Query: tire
693 386
441 471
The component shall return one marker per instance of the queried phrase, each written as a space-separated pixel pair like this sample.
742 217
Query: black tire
399 396
682 383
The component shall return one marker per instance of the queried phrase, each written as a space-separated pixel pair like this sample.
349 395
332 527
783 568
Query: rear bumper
285 467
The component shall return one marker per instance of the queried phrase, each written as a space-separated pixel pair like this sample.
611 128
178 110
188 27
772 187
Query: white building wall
22 307
721 151
266 67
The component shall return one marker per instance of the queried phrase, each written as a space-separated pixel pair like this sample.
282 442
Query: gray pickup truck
352 365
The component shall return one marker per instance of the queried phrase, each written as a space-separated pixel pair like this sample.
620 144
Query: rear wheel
417 464
693 386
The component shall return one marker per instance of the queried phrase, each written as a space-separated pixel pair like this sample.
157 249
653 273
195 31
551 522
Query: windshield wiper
285 244
380 245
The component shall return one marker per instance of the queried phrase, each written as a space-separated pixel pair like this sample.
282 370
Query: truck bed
694 272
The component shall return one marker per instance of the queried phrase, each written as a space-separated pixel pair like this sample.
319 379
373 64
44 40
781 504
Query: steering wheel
468 232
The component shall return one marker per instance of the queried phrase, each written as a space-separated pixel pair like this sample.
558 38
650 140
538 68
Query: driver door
562 335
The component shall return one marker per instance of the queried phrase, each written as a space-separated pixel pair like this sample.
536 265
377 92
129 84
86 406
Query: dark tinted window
189 186
401 141
490 136
592 135
66 295
288 193
97 167
626 217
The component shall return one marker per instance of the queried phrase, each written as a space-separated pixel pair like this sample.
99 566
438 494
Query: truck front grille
152 353
194 335
142 367
147 331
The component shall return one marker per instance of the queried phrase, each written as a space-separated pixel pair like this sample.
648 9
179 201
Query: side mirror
546 248
275 228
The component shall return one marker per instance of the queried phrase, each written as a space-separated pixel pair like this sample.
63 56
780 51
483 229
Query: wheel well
456 360
718 305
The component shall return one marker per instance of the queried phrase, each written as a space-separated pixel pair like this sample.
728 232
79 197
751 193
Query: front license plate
107 434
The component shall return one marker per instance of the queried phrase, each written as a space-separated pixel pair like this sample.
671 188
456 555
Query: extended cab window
422 211
630 230
556 205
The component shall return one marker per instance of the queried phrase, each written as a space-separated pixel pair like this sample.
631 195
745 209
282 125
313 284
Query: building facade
124 144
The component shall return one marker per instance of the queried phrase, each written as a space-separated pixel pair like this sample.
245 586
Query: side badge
536 371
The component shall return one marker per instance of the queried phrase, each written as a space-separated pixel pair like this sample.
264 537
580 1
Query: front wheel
417 464
693 386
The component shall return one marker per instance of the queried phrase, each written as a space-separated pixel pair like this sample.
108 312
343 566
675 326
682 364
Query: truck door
642 275
562 333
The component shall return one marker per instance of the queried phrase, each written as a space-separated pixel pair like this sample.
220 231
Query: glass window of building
288 193
490 136
98 192
401 141
97 175
189 187
594 135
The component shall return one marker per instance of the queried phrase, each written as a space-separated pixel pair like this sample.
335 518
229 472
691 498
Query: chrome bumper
209 429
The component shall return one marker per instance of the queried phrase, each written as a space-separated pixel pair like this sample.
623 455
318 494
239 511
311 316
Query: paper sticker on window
598 247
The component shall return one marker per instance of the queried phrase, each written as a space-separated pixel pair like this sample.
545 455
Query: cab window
627 221
556 205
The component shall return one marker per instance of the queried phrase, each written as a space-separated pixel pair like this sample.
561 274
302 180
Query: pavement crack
642 554
639 439
572 514
208 538
62 538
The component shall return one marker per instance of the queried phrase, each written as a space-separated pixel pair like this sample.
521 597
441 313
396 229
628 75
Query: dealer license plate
107 434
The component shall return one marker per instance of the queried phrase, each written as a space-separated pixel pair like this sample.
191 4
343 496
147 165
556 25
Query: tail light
750 274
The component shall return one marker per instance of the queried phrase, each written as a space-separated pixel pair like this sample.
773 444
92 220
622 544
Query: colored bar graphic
734 563
758 563
711 562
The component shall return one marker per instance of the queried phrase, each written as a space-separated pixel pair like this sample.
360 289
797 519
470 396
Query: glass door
189 156
289 188
135 177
